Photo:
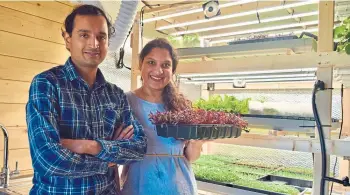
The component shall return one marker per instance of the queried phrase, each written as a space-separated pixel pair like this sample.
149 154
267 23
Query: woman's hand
197 143
193 149
124 133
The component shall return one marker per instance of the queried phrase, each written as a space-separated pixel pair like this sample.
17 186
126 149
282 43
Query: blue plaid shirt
61 105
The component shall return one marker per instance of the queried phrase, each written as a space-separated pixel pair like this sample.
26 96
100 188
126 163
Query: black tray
288 181
202 131
258 191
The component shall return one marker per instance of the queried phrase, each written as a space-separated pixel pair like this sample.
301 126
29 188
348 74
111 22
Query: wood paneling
22 156
50 10
13 115
68 3
31 26
31 42
14 91
30 48
17 69
18 138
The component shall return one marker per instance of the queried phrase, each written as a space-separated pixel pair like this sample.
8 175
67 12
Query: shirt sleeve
128 150
49 157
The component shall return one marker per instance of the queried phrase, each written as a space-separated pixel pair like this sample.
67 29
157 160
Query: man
72 113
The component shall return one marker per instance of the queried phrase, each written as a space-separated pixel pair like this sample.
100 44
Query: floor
19 186
22 187
201 192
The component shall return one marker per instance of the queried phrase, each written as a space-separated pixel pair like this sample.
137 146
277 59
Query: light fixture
246 23
211 9
255 80
279 33
279 27
211 86
222 17
192 11
249 77
238 84
297 70
270 35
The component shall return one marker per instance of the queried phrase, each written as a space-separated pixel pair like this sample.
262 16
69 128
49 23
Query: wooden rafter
170 6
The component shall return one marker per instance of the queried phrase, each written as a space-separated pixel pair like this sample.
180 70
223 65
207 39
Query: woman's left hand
193 149
198 143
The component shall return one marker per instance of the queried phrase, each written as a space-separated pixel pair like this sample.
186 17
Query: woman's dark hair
173 100
86 10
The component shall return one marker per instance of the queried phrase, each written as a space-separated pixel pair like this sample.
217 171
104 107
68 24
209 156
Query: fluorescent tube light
254 80
192 11
298 70
270 35
286 32
222 17
279 27
246 23
249 77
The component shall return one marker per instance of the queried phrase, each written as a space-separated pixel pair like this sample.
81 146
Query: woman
166 168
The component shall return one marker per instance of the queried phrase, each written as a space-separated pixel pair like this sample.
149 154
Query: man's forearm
53 159
80 146
123 151
93 148
132 150
48 156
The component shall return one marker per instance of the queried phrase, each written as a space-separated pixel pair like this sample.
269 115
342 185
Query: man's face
88 43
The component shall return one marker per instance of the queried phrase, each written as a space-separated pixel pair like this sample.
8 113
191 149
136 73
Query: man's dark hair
86 10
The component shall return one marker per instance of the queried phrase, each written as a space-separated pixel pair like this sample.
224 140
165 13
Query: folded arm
49 157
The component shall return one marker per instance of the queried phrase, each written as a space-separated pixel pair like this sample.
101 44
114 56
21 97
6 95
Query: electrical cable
317 86
120 63
320 85
341 129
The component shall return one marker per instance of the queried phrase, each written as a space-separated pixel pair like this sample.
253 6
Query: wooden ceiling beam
170 6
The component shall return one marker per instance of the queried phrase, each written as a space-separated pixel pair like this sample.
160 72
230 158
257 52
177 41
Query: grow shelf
221 187
283 117
200 131
259 40
285 123
297 183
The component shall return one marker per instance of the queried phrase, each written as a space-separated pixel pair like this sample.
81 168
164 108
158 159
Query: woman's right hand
124 133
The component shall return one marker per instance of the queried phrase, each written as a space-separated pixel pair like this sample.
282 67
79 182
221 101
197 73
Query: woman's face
156 69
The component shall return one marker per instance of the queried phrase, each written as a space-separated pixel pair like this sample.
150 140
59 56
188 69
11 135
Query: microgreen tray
201 131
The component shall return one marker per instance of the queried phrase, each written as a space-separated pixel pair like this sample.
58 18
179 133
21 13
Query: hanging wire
341 129
120 63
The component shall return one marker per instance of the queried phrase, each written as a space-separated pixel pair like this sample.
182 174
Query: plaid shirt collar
72 74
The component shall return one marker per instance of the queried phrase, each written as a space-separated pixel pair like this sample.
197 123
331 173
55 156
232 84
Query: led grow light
263 10
246 23
195 11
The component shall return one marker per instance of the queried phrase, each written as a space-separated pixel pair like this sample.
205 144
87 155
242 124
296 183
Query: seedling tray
201 131
288 181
